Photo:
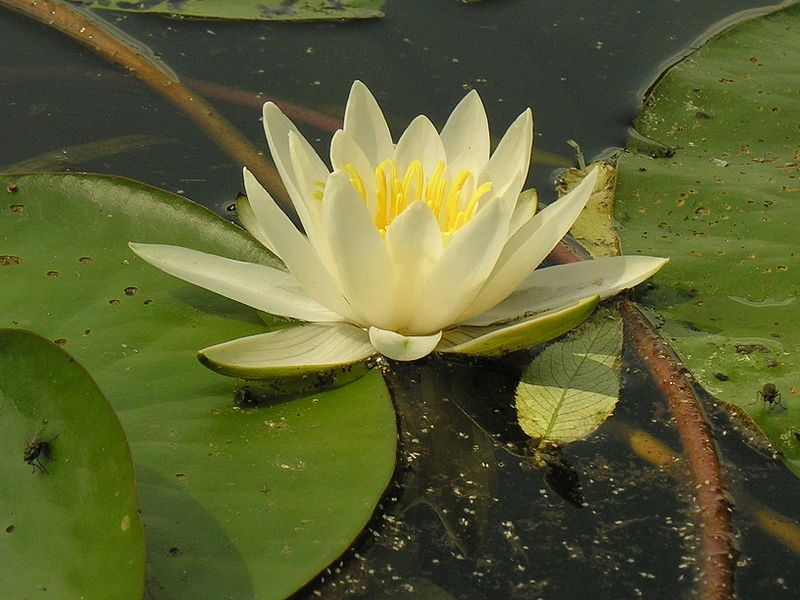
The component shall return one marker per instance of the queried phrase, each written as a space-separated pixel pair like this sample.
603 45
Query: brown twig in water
94 35
697 441
297 113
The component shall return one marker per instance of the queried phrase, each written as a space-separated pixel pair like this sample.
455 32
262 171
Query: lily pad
242 503
572 386
69 508
261 10
725 207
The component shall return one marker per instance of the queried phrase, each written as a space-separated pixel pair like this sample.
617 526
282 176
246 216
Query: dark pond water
470 516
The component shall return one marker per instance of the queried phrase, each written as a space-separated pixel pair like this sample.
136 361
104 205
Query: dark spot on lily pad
53 273
12 187
6 260
175 551
148 301
750 348
87 260
17 208
721 376
131 291
60 342
113 301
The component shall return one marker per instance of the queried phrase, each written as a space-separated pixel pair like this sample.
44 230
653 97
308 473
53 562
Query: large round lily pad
68 504
236 503
726 208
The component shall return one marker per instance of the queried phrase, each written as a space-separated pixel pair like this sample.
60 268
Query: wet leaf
242 503
69 507
573 385
261 10
725 208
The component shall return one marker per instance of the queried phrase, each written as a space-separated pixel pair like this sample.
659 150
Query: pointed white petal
509 164
248 218
555 286
414 241
295 250
364 266
460 271
403 347
419 142
293 352
527 248
259 286
344 151
526 206
496 341
278 128
364 121
466 135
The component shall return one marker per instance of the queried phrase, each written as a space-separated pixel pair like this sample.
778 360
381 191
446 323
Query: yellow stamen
395 192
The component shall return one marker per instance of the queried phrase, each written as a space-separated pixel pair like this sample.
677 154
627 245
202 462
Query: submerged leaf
573 385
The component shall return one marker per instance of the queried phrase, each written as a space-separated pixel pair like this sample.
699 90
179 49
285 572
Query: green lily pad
725 207
69 508
261 10
241 503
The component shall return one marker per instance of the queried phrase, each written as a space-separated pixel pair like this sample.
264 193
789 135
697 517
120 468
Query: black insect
769 394
36 449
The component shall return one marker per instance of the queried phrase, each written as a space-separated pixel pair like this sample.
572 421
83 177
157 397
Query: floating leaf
261 10
238 503
69 509
573 386
725 207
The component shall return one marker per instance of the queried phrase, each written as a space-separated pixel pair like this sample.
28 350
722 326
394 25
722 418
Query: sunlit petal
248 218
419 142
295 250
555 286
364 121
365 268
461 271
292 352
259 286
403 347
527 248
465 136
508 166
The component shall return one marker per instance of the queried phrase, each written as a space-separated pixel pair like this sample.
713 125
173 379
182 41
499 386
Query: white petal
259 286
555 286
403 347
496 341
527 248
364 121
278 129
362 260
419 142
292 352
345 151
509 164
461 271
527 203
295 250
248 218
414 241
466 135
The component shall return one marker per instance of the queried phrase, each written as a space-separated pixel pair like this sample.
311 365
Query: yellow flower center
394 192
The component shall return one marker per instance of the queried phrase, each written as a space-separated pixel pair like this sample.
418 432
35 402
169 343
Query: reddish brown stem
697 441
95 36
297 113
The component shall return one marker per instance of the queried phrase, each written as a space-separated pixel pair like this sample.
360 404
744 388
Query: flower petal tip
403 347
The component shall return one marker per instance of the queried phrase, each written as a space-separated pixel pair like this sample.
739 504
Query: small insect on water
769 394
36 449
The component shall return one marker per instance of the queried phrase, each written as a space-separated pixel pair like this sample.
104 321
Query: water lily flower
407 248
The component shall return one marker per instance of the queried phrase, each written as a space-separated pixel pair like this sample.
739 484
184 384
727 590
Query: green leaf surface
572 386
261 10
725 207
71 529
236 503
